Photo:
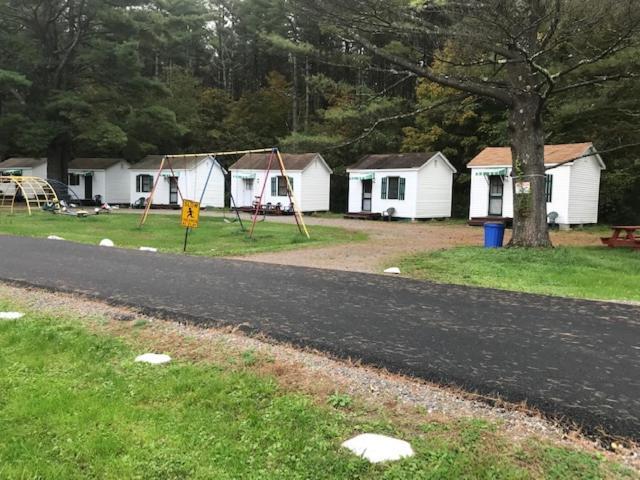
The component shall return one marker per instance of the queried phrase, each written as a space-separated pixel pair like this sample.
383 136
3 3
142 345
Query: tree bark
527 149
307 93
58 157
294 94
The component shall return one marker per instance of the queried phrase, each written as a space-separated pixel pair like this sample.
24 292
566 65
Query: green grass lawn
581 272
73 404
213 237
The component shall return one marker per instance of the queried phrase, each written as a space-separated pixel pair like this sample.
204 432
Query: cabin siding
311 186
355 194
190 182
584 191
39 171
195 182
479 198
243 197
403 208
161 195
574 194
117 183
434 189
98 180
316 184
560 193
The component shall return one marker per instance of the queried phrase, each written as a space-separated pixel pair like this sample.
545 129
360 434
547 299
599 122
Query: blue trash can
493 235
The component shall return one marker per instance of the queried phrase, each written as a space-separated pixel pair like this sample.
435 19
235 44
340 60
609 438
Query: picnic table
623 236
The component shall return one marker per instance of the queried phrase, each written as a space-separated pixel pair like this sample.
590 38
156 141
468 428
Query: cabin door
496 191
88 187
173 190
367 189
247 192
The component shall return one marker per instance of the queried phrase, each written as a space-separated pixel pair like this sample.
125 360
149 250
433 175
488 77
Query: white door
247 192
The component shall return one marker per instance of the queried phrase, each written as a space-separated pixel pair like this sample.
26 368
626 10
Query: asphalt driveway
573 359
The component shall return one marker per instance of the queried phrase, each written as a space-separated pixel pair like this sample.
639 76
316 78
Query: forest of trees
136 77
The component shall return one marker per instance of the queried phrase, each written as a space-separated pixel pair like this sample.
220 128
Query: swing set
274 161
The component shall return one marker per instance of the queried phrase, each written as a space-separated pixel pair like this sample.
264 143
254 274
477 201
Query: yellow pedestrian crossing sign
190 213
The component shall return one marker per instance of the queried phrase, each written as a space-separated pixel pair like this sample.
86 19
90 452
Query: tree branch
594 81
455 83
369 130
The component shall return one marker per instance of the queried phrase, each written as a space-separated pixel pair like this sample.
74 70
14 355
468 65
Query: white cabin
186 175
309 176
107 177
404 185
572 189
24 167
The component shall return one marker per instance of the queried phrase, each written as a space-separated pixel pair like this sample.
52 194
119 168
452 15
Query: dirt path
389 241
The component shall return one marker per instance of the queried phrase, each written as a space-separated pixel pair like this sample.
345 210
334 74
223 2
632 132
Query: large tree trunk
527 149
307 93
58 158
294 94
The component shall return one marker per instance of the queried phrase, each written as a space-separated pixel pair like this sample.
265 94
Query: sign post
189 218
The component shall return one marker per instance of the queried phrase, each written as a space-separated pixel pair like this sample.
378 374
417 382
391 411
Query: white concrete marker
153 358
394 270
54 237
11 315
148 249
379 448
105 242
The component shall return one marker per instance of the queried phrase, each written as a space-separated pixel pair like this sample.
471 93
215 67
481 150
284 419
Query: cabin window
548 187
392 188
74 179
496 192
144 183
279 186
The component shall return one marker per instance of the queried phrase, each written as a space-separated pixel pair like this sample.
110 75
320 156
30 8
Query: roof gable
447 163
553 154
260 161
392 161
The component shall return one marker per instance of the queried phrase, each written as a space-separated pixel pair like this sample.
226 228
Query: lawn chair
552 218
139 203
389 213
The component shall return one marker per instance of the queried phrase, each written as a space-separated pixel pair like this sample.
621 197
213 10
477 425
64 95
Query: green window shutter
383 190
548 187
291 183
401 183
274 186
